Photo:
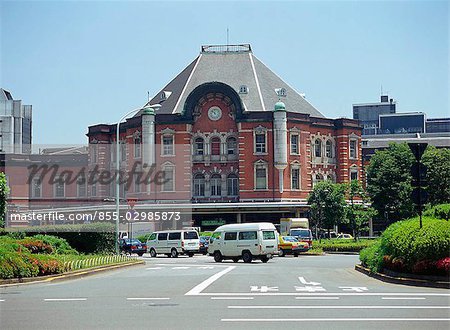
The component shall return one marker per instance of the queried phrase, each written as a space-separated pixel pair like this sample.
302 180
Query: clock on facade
214 113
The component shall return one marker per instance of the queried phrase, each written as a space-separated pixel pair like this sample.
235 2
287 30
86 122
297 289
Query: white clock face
214 113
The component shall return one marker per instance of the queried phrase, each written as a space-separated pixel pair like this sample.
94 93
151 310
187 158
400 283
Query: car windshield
301 232
133 241
289 239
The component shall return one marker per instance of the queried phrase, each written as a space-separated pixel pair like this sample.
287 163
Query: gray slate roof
234 68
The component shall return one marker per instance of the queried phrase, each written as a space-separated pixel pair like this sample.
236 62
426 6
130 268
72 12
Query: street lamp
152 108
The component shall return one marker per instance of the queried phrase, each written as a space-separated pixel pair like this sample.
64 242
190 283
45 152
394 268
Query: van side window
176 235
231 236
247 235
215 236
190 235
268 234
162 237
152 237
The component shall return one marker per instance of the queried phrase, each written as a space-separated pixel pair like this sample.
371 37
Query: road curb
342 252
68 275
403 280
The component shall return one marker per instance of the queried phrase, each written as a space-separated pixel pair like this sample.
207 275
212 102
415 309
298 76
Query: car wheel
217 256
140 254
247 257
264 259
295 254
205 253
190 254
282 253
174 253
153 253
235 259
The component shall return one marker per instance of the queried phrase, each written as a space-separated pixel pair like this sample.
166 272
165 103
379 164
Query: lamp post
147 107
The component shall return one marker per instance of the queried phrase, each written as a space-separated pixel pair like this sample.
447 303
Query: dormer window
281 92
243 89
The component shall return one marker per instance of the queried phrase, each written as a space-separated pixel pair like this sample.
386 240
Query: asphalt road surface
312 292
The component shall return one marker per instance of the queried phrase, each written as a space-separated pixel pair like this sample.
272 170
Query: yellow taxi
290 245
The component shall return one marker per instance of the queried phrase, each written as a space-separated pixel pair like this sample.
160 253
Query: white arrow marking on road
302 279
354 288
151 268
263 288
310 288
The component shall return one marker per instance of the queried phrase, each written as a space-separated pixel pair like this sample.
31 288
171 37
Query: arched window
231 146
232 185
199 146
318 148
215 146
216 185
329 149
199 185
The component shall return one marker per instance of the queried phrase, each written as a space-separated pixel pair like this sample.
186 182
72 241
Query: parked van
173 242
247 241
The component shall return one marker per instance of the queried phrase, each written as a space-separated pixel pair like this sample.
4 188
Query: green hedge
441 211
343 245
85 238
406 247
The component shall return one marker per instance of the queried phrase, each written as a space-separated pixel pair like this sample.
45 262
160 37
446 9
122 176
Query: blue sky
82 63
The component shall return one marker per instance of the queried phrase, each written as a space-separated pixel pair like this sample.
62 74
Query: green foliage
343 245
35 245
143 238
4 191
59 245
441 211
327 201
358 214
389 182
85 238
438 174
404 245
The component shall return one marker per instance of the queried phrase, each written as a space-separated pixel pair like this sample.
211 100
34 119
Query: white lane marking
139 298
65 299
354 288
151 268
180 267
169 264
337 320
206 267
306 294
403 298
336 307
231 298
2 300
202 286
302 279
326 298
263 288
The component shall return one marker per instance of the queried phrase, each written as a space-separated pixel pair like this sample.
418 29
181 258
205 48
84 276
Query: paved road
196 293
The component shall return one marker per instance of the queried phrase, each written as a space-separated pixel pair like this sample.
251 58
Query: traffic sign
419 196
419 174
418 149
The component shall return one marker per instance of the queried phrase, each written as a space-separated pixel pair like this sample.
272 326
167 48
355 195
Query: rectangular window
162 237
137 184
353 149
232 186
261 178
59 187
190 235
295 178
294 144
81 186
268 234
94 190
168 145
260 143
94 153
247 235
354 175
123 151
173 236
230 236
137 148
37 188
168 179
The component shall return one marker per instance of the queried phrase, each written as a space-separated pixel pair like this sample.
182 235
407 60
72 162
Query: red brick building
233 140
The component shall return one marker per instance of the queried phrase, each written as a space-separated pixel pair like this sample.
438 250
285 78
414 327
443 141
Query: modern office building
15 125
368 114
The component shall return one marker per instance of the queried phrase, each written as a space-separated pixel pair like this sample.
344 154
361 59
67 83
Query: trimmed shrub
35 245
59 245
441 211
340 245
405 247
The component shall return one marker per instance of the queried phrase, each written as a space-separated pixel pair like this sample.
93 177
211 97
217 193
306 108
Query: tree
438 174
4 190
389 182
358 214
327 203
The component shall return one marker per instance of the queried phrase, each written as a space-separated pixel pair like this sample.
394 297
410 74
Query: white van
248 241
173 242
